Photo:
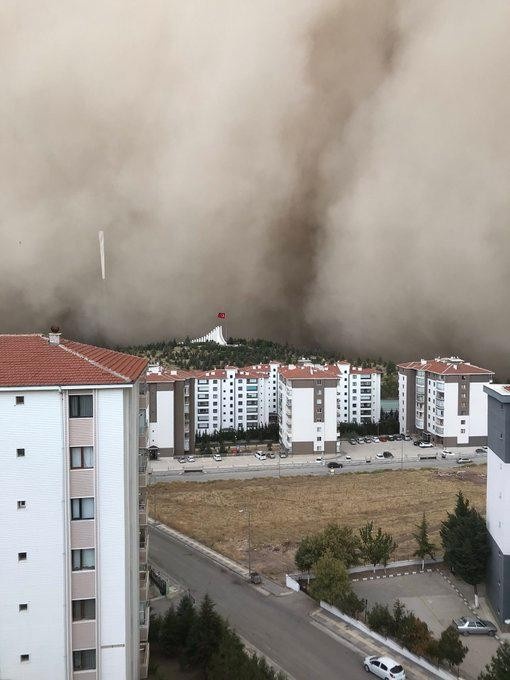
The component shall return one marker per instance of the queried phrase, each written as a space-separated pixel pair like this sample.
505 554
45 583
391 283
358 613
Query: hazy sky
331 172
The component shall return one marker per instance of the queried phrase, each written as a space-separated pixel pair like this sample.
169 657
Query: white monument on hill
216 335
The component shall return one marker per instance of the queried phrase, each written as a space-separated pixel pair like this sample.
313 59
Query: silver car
474 626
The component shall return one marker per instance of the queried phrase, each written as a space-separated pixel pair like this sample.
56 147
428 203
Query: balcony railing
144 660
142 512
144 548
144 622
440 403
142 470
144 587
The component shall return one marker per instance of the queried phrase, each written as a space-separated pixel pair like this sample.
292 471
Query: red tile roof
364 371
308 372
445 367
30 360
169 375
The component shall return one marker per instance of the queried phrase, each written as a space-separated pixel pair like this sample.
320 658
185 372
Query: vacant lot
286 509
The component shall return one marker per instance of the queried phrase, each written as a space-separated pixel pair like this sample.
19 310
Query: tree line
202 641
261 433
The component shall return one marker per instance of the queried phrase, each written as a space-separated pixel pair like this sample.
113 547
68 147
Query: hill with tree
248 352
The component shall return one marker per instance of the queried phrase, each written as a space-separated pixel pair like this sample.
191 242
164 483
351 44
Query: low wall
292 583
387 642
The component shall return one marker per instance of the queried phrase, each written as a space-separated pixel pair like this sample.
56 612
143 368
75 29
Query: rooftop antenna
101 254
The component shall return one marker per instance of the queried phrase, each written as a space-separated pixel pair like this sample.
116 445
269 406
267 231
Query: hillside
243 352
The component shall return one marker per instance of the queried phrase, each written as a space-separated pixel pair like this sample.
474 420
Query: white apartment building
307 412
358 394
73 547
498 500
445 399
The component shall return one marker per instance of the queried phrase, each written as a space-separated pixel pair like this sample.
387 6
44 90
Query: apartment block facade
498 500
358 394
444 398
308 409
73 547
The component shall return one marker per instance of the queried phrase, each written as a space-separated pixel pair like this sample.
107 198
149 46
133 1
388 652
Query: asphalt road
317 470
277 626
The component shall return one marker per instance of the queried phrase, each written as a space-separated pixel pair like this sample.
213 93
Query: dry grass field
284 510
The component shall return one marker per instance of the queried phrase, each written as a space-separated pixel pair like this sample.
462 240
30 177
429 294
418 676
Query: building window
462 422
83 559
82 457
20 400
80 406
22 505
463 431
22 556
24 658
23 607
20 453
319 439
84 610
82 508
84 660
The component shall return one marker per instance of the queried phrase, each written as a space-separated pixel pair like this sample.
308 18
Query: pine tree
169 634
205 635
499 666
450 647
425 547
186 616
465 543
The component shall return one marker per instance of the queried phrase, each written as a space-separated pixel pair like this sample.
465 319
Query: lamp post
248 512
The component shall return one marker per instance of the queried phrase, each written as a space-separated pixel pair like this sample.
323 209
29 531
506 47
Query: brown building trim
191 386
165 386
165 453
153 403
330 447
301 448
318 408
179 417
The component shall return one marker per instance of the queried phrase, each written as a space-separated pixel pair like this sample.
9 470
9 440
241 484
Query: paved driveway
434 601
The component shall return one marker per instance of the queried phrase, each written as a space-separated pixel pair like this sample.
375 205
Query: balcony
142 512
142 470
144 661
440 403
186 408
144 548
142 400
144 587
144 622
439 430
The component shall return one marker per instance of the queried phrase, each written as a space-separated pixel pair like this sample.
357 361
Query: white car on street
260 455
425 445
217 457
384 667
445 453
319 459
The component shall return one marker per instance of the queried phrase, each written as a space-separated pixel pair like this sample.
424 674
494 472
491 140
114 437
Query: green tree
424 545
204 636
376 549
169 634
451 648
332 584
343 544
465 543
185 618
380 619
499 666
309 551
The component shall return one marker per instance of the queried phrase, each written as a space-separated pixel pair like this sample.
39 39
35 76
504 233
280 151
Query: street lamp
248 511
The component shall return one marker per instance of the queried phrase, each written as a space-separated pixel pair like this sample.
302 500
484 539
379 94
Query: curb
401 573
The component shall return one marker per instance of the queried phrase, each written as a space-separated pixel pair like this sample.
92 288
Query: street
277 626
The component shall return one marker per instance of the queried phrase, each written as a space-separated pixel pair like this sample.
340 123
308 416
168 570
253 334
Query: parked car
368 440
319 459
260 455
446 453
270 454
417 442
255 577
383 438
361 440
217 457
347 457
384 454
384 667
480 450
391 437
425 445
375 440
334 464
407 438
282 454
474 626
190 459
399 437
181 459
353 441
464 459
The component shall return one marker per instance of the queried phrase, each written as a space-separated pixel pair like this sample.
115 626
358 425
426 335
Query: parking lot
431 597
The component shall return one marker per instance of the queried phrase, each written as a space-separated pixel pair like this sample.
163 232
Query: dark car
474 626
181 460
391 437
333 464
255 577
387 454
270 454
417 442
368 440
480 450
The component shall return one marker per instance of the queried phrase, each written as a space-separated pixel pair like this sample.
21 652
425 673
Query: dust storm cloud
333 172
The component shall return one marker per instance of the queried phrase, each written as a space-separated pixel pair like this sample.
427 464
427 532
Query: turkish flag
222 315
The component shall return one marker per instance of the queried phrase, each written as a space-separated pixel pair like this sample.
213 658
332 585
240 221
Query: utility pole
248 512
